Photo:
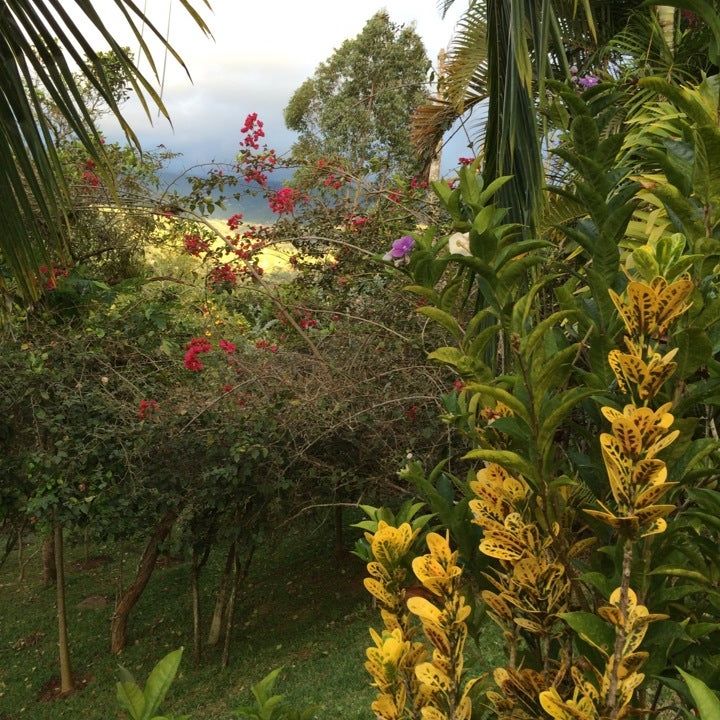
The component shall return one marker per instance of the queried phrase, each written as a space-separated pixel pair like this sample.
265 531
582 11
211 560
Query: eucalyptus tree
358 103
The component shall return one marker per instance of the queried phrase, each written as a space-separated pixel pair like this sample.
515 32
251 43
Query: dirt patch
50 691
29 641
93 602
92 563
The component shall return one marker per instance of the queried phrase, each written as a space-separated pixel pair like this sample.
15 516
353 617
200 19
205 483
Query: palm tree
502 53
43 53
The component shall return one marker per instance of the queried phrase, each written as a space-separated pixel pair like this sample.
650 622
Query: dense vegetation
505 381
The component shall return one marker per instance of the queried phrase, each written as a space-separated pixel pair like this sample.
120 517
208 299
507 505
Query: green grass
298 610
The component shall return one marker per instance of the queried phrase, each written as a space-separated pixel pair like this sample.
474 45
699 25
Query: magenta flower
588 81
401 248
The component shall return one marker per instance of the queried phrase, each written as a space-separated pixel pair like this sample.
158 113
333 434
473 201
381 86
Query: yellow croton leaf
432 676
378 590
650 308
502 545
671 300
425 610
439 547
463 711
432 713
633 372
385 708
390 544
498 607
648 424
436 578
558 709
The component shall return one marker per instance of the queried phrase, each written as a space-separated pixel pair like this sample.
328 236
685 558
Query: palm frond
462 84
43 51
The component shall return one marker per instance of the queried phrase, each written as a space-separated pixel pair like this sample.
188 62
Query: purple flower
401 248
588 81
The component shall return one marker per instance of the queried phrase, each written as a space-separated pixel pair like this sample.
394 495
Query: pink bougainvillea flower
227 347
194 245
283 201
195 347
146 408
234 221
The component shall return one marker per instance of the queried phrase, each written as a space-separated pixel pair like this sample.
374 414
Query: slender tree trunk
130 596
21 559
66 680
434 171
237 579
230 613
339 539
48 558
218 618
195 591
666 19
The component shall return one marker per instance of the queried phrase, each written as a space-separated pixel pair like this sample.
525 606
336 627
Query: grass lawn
298 610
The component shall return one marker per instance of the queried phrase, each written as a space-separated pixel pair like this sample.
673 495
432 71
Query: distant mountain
253 207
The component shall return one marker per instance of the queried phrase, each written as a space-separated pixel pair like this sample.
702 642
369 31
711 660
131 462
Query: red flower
195 347
459 385
227 347
308 322
146 408
90 178
283 201
227 388
194 245
223 274
411 412
359 221
234 221
466 160
418 184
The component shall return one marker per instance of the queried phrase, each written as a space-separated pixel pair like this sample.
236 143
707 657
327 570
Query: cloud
259 55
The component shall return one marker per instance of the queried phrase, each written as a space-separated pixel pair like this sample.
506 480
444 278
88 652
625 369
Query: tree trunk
130 596
218 618
195 591
339 540
66 680
237 578
21 558
48 558
434 171
666 20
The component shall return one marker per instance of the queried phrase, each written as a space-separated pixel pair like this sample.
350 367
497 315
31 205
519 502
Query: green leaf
130 698
705 699
159 682
444 319
591 629
493 187
503 396
529 344
681 573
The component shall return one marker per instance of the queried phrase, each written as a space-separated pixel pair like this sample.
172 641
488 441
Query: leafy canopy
358 103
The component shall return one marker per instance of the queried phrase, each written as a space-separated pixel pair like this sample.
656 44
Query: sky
260 52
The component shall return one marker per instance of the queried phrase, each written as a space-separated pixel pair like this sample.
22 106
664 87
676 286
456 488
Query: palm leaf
39 39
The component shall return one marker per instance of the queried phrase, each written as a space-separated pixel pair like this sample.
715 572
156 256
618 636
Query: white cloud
260 53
